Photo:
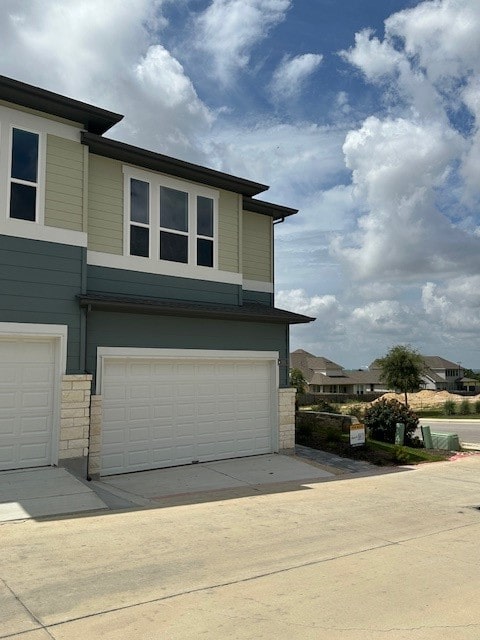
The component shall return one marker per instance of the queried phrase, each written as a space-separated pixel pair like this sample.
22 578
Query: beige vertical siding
228 231
257 247
64 184
105 205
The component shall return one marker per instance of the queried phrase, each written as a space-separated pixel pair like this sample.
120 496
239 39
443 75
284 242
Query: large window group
169 223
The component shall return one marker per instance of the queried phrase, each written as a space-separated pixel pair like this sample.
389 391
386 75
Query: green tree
402 369
297 380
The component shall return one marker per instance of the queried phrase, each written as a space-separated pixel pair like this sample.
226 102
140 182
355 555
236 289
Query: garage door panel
7 425
35 425
27 379
8 400
114 392
197 410
34 453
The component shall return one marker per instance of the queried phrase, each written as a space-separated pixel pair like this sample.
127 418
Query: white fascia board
36 231
161 267
258 285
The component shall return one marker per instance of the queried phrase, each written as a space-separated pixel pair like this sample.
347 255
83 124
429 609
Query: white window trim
190 270
41 176
59 333
13 227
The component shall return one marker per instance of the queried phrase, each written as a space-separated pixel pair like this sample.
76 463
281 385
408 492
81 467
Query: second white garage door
27 378
166 412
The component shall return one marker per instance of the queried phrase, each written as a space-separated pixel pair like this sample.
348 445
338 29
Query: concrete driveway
383 557
51 491
34 493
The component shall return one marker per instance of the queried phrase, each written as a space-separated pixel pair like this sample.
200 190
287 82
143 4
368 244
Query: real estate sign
357 434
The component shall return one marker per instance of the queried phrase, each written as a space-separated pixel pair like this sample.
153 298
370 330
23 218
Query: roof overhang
171 166
276 211
248 312
94 119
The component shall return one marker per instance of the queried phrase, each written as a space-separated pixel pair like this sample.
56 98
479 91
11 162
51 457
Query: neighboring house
137 321
442 374
439 374
324 376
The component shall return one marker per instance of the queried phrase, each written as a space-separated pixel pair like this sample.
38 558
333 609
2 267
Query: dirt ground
425 398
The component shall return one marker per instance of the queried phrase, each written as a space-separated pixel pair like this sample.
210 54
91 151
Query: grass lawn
375 452
432 413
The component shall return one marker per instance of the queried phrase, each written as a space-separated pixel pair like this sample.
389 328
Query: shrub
324 406
477 406
400 454
355 410
449 408
464 409
381 420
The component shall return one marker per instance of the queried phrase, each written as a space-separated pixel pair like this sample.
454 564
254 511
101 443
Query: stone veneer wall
286 420
95 437
74 417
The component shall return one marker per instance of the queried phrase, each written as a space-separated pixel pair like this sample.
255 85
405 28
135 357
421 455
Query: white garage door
27 375
161 413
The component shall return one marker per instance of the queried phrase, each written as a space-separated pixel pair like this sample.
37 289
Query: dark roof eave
248 313
171 166
94 119
276 211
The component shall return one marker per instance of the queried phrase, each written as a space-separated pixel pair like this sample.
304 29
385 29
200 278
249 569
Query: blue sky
362 114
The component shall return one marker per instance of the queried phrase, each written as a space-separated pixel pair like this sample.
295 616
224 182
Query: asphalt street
467 430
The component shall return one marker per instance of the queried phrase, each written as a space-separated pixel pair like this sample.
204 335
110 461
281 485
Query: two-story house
137 322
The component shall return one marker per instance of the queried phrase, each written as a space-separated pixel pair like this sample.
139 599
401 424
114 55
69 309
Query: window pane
204 253
139 237
173 247
204 216
139 205
22 201
173 209
24 155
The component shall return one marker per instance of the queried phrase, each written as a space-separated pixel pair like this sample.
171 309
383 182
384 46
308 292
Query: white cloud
454 306
108 52
228 30
298 301
375 58
385 316
292 73
399 168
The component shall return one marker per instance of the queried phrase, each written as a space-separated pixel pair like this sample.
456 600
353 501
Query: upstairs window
170 221
24 175
139 218
173 225
204 231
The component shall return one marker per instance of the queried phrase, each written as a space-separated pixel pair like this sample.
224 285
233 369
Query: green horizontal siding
39 282
258 296
148 331
139 284
64 184
105 205
228 230
257 247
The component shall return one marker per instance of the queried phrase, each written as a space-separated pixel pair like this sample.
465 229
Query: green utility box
445 441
